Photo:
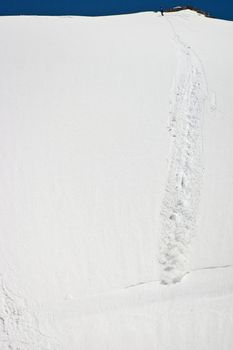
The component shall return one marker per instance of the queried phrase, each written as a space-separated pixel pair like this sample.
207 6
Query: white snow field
116 183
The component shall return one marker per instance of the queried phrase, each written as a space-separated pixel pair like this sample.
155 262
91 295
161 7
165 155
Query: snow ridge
182 193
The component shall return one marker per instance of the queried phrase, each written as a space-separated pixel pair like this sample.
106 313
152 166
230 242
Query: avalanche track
182 192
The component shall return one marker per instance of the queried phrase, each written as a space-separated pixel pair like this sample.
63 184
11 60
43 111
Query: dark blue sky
217 8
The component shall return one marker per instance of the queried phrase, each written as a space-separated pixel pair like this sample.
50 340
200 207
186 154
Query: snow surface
116 156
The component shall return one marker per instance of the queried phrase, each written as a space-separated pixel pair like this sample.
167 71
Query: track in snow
182 193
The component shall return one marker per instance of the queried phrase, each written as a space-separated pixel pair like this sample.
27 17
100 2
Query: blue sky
217 8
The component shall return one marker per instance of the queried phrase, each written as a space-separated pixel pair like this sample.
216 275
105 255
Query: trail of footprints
182 193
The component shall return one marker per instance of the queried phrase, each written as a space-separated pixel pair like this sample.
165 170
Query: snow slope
116 156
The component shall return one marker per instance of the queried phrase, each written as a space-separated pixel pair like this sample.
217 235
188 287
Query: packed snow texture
182 195
116 156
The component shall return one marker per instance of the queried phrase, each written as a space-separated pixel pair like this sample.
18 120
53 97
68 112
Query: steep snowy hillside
116 156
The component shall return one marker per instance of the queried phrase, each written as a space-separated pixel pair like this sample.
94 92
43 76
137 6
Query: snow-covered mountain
116 155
